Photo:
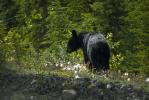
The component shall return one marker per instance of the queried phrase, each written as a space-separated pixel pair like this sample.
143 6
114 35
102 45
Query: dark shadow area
14 86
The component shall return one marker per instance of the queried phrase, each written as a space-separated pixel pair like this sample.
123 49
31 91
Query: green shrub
116 58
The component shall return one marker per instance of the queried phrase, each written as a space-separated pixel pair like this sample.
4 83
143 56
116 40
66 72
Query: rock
69 94
147 79
100 85
31 97
33 81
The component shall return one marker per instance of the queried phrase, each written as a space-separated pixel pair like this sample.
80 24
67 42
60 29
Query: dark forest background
35 32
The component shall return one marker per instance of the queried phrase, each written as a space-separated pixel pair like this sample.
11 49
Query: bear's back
91 38
96 37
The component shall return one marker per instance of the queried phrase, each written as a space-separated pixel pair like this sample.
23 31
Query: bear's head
73 43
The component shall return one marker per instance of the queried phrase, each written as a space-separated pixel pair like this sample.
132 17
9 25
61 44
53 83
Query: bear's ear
74 33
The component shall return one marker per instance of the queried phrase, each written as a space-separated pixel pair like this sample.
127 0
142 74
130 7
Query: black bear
95 49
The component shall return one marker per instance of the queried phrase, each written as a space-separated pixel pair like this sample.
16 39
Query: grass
137 81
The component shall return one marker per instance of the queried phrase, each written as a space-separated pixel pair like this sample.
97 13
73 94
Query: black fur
95 49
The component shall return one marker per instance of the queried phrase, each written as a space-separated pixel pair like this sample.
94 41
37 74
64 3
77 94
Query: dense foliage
35 32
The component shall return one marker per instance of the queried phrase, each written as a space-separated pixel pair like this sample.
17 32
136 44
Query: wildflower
68 68
56 65
46 65
128 79
75 72
77 76
64 68
61 65
68 62
126 74
77 66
